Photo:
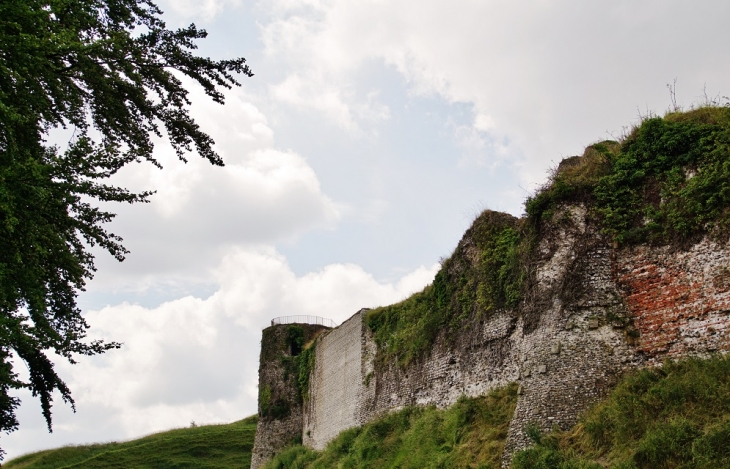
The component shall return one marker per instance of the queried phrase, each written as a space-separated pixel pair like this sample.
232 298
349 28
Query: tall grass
470 434
677 416
204 447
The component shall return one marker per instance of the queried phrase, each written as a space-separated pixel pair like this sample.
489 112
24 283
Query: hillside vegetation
470 434
201 447
674 417
677 416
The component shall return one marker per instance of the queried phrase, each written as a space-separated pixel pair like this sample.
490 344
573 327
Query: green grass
676 417
470 434
203 447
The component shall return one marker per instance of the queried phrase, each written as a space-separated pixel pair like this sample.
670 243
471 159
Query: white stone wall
335 385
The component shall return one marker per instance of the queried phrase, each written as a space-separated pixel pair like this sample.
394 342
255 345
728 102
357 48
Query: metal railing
303 319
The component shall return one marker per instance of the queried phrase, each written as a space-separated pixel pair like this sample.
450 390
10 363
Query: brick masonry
592 312
679 301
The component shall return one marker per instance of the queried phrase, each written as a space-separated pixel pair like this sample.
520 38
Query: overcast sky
371 135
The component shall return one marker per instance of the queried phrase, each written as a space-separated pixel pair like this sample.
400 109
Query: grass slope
674 417
203 447
470 434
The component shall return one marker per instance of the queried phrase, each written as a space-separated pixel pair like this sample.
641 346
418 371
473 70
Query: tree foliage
109 71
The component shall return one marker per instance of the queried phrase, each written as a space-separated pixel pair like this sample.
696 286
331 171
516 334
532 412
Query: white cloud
484 123
545 77
311 92
261 196
195 359
197 9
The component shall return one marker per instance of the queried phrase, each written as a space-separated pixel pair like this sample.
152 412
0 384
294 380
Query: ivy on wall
668 181
482 275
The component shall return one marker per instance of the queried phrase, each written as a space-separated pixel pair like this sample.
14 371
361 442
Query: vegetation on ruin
677 416
470 434
666 182
200 446
481 276
673 417
305 369
301 362
296 357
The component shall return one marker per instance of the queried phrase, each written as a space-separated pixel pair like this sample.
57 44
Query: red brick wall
679 301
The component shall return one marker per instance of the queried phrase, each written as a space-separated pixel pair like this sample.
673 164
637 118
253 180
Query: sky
371 135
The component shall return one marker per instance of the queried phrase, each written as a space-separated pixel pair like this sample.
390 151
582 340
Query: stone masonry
336 384
280 404
592 313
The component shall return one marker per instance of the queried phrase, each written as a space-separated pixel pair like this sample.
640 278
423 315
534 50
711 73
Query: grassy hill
202 447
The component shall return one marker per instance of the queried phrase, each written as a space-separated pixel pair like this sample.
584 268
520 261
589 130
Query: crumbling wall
472 363
591 312
579 342
280 402
679 300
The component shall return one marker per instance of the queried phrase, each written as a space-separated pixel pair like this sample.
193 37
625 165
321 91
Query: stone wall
679 300
280 404
575 346
592 312
335 385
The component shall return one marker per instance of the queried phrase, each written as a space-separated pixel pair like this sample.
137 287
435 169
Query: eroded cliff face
591 311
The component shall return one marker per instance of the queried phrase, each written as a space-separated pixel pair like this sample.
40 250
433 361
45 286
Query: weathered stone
672 304
277 376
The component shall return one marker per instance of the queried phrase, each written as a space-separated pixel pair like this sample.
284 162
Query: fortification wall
679 300
280 403
592 312
335 385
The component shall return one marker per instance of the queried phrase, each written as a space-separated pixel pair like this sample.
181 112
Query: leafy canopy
110 71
